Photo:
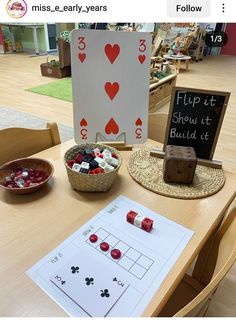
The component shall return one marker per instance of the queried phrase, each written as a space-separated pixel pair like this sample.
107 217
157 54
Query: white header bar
32 11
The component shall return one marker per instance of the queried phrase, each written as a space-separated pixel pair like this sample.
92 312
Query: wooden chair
157 41
192 296
196 49
21 142
157 126
188 42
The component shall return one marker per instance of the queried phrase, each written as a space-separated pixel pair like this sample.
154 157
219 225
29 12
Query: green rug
61 89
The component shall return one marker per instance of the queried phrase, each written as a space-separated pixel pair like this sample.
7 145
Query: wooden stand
156 152
119 145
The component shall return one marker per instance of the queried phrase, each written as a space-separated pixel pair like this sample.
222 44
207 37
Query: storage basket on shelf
54 68
91 182
49 70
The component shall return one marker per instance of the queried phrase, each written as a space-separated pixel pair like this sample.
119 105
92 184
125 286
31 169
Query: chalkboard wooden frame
200 91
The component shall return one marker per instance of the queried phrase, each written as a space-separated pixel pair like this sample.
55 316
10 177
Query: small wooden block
179 164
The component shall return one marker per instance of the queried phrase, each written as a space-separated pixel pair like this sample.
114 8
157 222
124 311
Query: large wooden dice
179 164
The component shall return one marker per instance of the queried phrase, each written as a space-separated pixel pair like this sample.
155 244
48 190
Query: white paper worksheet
84 278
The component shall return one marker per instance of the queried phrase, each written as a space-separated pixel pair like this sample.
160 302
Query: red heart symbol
111 127
138 122
83 123
112 89
112 52
141 58
82 57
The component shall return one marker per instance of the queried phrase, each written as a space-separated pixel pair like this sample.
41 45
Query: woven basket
91 182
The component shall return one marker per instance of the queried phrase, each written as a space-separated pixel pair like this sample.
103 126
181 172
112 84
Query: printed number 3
142 45
81 43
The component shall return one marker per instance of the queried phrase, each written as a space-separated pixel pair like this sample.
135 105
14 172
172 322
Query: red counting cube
71 162
147 224
98 170
79 158
131 216
114 155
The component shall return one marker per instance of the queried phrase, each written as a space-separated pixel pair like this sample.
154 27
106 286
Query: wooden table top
32 225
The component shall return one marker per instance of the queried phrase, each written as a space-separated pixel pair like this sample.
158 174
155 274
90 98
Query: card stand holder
159 153
119 142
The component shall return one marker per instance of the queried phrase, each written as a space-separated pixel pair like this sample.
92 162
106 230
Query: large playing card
110 75
89 285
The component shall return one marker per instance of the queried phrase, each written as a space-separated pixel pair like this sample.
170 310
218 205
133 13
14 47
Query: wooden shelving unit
160 91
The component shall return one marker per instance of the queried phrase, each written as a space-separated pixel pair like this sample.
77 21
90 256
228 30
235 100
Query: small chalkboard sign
195 119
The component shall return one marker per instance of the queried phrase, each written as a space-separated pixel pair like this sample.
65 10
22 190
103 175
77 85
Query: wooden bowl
34 163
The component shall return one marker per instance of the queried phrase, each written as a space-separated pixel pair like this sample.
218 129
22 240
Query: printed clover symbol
105 293
89 281
74 269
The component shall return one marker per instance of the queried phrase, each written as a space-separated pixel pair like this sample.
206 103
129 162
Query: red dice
147 224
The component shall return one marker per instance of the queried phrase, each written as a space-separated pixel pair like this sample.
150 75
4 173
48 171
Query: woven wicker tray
147 171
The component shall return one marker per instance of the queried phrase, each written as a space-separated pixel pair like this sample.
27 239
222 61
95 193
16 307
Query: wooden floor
19 72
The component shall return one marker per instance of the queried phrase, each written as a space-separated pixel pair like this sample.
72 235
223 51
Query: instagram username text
76 8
